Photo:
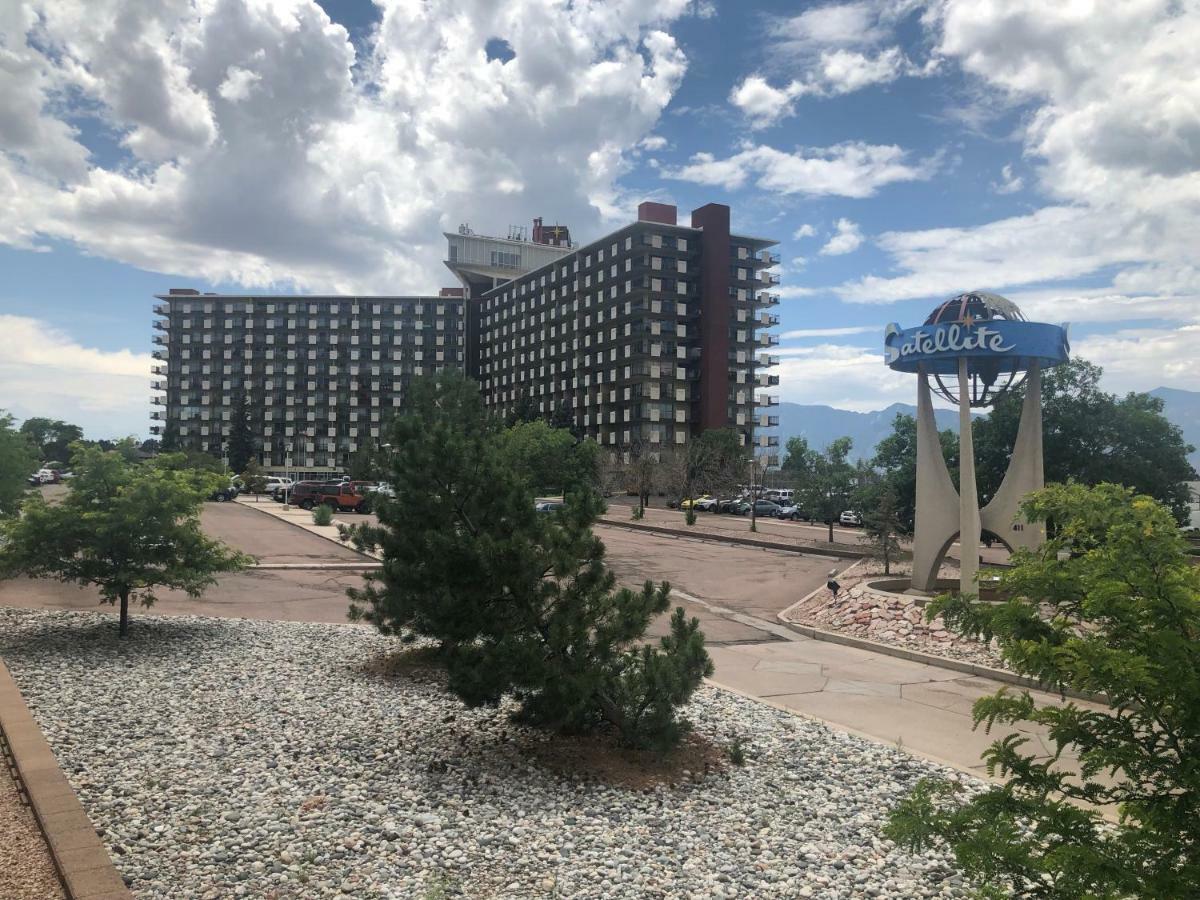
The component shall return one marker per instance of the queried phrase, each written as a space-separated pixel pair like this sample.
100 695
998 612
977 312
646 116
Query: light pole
753 492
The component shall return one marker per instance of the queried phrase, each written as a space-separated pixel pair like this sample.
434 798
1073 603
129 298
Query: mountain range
820 425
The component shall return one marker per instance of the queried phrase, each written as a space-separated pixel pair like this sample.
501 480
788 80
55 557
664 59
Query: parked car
850 517
549 506
692 502
341 495
762 509
706 504
793 512
782 496
276 484
728 506
225 494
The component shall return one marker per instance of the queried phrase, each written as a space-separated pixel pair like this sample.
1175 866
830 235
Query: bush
638 513
737 753
322 515
519 603
1125 624
689 516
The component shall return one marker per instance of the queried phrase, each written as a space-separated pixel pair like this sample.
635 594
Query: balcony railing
768 320
767 400
158 370
768 421
161 325
766 339
767 360
158 385
158 354
158 416
161 309
768 278
158 401
771 259
767 440
765 299
160 339
156 429
764 380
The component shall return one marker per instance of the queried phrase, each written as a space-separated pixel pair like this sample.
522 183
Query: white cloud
1146 358
257 155
846 239
837 49
653 142
842 376
853 169
804 231
1112 135
47 373
832 332
1009 182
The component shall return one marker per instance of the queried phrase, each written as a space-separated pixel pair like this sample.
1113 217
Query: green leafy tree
644 471
1124 622
524 410
896 458
549 458
170 437
883 527
1092 437
830 483
520 603
126 529
51 437
18 460
240 449
253 479
190 460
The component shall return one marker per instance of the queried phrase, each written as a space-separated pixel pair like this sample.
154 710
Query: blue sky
901 151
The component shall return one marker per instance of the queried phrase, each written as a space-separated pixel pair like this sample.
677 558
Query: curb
266 512
835 552
82 862
931 659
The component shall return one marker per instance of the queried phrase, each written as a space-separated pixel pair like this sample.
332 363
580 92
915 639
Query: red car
337 494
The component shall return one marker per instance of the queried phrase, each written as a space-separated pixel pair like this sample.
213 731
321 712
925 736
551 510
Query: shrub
737 753
689 516
322 515
1125 623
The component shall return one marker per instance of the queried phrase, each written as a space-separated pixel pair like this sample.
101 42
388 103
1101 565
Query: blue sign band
938 348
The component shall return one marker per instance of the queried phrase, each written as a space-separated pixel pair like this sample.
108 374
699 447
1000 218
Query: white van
782 496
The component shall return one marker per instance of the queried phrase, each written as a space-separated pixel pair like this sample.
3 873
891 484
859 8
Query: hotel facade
648 336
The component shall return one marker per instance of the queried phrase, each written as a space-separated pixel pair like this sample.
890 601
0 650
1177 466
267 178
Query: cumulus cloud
804 231
263 148
1141 359
831 332
1113 137
836 49
841 375
47 373
847 238
1009 182
853 169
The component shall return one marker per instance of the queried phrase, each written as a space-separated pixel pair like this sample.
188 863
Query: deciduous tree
830 482
51 437
18 460
883 527
1111 606
127 529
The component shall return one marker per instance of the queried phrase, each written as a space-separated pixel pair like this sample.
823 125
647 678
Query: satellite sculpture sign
974 348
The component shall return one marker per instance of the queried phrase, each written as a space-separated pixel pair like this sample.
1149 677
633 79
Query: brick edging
82 861
731 539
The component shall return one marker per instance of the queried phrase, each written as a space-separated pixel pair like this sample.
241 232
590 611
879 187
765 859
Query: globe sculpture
971 350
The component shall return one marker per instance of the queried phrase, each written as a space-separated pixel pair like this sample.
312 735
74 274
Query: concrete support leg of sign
968 497
937 519
1025 473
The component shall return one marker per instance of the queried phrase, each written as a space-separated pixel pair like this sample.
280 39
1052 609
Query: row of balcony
766 400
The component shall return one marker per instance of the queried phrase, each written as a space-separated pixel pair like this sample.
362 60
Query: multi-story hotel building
649 335
320 375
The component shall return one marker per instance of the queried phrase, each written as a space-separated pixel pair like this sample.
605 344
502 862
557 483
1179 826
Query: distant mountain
1183 408
820 425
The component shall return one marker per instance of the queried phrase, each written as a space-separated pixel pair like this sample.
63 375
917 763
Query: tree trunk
831 529
124 630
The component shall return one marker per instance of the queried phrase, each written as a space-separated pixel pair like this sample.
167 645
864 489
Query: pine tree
241 436
519 602
253 479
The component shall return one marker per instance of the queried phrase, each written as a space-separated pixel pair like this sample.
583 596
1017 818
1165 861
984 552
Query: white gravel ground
230 758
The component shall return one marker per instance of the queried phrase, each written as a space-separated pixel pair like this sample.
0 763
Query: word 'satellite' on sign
937 348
